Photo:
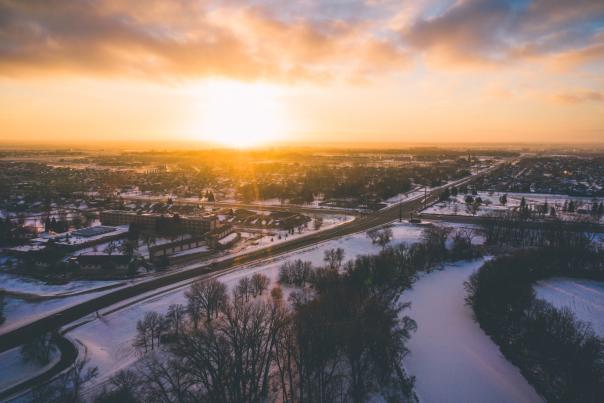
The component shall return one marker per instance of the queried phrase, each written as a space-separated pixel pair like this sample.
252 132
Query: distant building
103 262
214 237
158 222
71 240
171 248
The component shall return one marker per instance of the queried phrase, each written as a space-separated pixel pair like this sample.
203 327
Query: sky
243 73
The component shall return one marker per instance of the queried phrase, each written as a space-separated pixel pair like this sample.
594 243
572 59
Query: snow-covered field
491 203
451 357
584 297
109 340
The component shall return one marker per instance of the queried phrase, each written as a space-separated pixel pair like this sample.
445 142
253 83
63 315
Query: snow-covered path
584 297
452 359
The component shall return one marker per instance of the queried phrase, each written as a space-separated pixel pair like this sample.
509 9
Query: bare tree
149 331
334 258
206 297
259 284
373 235
38 349
231 359
166 380
295 273
125 386
68 386
244 288
384 237
435 238
175 318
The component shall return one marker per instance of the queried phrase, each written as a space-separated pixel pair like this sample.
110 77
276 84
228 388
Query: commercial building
160 223
171 248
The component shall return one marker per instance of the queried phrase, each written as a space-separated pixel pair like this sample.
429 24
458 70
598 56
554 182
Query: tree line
559 355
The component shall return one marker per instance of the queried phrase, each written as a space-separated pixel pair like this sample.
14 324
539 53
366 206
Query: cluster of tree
11 232
54 225
559 355
209 196
343 344
473 204
381 236
511 229
299 273
68 386
472 201
39 349
251 287
463 244
597 209
361 182
205 301
296 273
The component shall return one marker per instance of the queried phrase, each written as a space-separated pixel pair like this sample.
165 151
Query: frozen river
452 359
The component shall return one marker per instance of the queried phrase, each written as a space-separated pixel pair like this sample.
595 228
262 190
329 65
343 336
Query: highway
249 206
18 336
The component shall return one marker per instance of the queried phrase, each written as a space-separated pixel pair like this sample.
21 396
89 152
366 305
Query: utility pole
425 196
400 209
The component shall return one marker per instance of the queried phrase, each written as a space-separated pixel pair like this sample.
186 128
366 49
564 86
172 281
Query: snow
22 285
584 297
14 370
450 356
491 204
405 197
192 251
19 312
75 239
228 239
109 340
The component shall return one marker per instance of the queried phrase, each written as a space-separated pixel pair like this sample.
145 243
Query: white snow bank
584 297
17 284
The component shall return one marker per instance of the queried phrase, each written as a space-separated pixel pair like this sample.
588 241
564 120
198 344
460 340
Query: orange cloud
579 96
487 33
180 40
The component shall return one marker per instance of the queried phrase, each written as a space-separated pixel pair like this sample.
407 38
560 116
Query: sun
241 115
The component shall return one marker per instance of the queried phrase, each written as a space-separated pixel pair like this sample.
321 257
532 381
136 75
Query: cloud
579 97
495 32
182 39
288 41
